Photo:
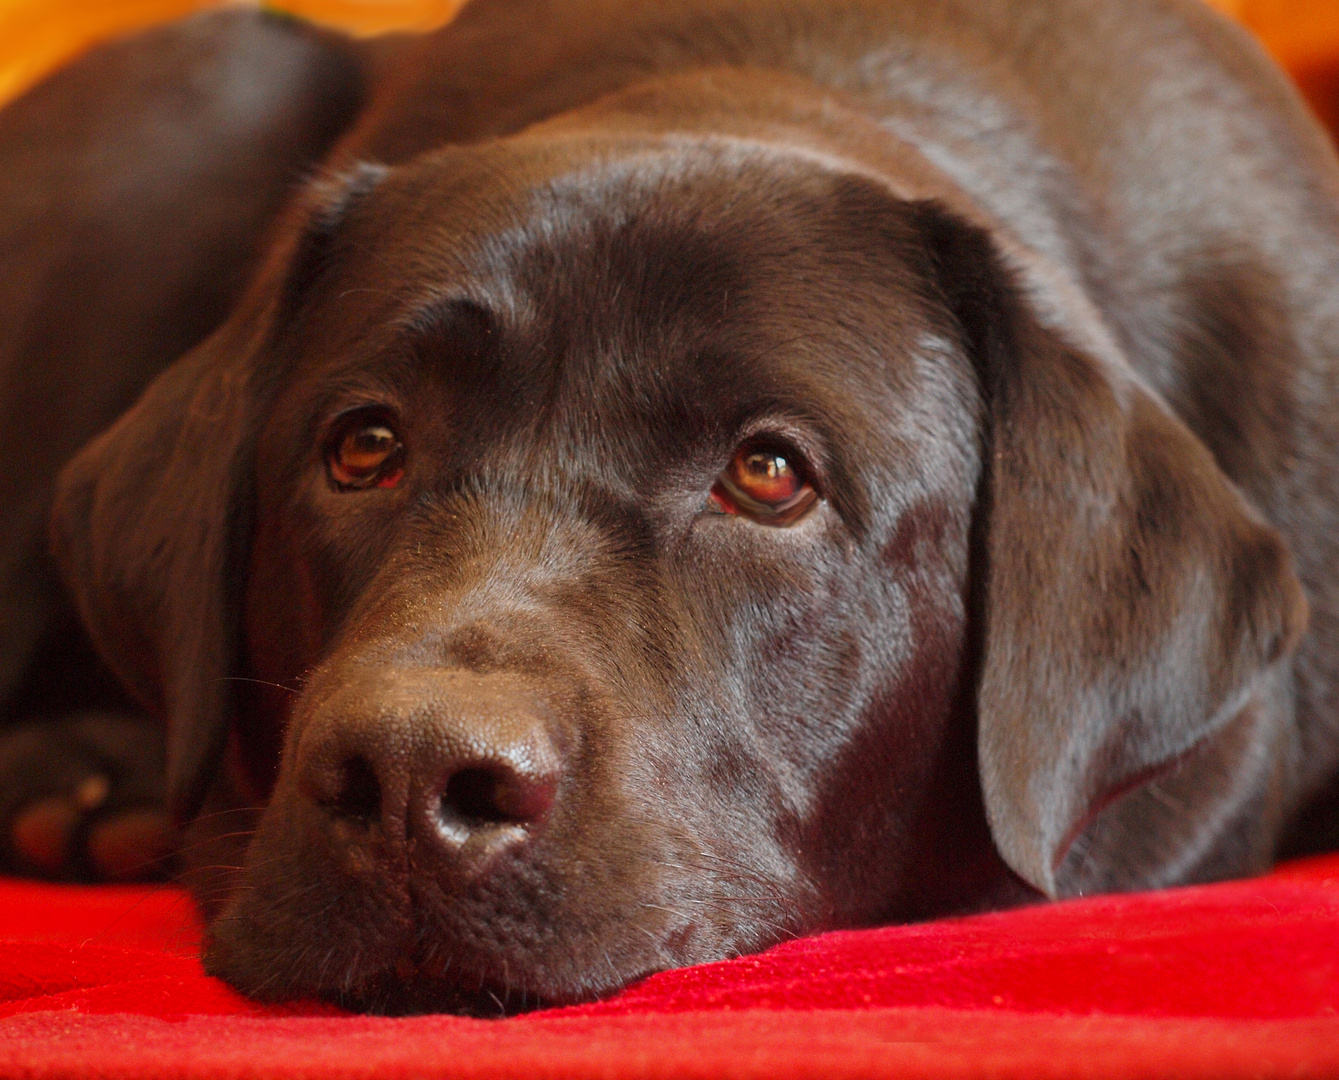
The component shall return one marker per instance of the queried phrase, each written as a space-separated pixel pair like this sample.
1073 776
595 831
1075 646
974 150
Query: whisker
260 682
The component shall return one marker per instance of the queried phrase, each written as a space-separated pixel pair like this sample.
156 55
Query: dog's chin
393 995
487 992
379 983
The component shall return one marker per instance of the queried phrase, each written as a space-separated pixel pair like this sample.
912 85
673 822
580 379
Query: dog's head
640 525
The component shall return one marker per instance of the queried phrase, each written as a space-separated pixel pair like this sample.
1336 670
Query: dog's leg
83 798
137 186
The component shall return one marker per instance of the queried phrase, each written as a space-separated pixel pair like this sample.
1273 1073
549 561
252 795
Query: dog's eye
366 453
765 483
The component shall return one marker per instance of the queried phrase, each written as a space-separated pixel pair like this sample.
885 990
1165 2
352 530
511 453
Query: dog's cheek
720 873
673 846
768 668
878 652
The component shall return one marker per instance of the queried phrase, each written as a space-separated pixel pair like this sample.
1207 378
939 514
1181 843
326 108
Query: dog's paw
81 799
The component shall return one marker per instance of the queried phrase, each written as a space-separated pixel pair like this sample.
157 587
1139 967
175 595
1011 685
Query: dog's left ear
147 523
151 520
1131 599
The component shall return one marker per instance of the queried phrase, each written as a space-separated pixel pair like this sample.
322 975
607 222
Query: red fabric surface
1240 979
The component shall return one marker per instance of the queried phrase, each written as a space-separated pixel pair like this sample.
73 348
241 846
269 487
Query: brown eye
765 483
365 454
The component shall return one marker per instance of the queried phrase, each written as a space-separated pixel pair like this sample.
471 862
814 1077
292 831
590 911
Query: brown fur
1040 293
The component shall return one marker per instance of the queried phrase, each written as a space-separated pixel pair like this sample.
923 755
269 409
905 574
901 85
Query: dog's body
1030 305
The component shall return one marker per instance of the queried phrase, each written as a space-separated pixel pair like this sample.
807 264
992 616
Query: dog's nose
457 766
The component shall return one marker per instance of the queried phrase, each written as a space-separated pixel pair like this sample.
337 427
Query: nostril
470 795
478 796
359 797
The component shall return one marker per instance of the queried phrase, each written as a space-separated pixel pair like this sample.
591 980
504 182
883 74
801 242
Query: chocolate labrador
643 481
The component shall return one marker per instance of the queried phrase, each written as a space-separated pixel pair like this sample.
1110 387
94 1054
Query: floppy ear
147 524
151 521
1131 601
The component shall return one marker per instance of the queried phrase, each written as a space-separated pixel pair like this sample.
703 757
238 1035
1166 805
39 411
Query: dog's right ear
151 521
1133 606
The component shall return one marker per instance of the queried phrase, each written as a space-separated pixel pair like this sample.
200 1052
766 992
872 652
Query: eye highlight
364 452
765 482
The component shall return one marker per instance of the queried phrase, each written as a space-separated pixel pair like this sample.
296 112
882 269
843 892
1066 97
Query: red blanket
1223 981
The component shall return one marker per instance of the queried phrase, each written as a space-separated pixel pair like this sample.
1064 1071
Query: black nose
455 765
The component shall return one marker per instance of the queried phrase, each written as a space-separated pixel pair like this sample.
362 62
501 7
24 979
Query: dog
613 485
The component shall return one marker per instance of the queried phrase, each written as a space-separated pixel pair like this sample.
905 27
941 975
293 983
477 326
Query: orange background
36 35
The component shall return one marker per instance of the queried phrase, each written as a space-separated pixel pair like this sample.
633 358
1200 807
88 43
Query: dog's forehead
669 282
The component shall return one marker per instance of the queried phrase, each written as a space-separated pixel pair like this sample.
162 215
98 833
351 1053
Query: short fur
1041 291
